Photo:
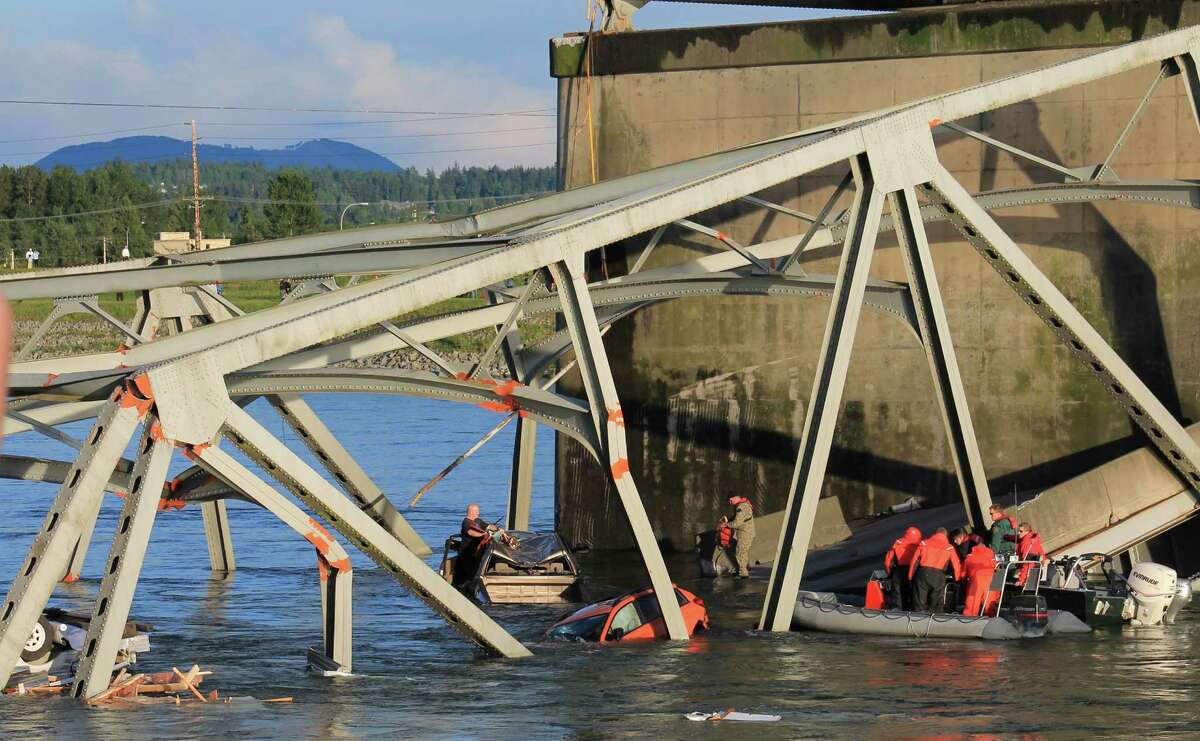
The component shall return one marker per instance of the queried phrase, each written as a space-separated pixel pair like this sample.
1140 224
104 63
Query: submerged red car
632 616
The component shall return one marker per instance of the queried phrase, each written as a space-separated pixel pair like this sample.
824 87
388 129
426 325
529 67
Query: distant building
172 243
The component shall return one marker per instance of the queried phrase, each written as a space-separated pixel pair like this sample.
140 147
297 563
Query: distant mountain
312 153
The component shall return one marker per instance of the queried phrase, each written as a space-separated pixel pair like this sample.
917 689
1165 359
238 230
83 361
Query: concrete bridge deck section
1110 509
1113 507
716 390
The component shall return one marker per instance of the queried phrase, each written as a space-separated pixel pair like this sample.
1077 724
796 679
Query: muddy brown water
415 678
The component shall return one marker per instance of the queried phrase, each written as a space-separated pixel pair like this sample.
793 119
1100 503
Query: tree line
244 202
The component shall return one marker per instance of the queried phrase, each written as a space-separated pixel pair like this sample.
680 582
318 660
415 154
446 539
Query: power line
381 136
532 114
94 212
166 106
173 124
182 143
93 133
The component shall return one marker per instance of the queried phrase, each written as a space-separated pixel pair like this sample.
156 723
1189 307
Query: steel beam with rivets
609 421
124 564
75 503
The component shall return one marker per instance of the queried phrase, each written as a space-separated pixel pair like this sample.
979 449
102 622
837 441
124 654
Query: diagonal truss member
609 421
74 509
278 461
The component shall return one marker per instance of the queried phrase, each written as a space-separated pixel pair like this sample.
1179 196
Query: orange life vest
724 535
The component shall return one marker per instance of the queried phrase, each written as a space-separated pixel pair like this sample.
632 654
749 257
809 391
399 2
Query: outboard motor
1153 588
1183 596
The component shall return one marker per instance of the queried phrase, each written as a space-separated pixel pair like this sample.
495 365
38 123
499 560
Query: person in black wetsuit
473 531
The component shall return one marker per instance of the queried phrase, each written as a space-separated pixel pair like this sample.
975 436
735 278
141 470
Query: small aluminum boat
538 569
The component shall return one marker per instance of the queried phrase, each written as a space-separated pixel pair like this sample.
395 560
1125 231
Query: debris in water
732 714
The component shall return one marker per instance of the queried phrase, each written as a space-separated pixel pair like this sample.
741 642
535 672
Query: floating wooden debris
156 687
128 690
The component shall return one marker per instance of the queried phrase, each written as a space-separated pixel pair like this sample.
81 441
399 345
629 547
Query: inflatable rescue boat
823 612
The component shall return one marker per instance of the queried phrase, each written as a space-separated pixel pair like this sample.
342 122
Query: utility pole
104 250
195 188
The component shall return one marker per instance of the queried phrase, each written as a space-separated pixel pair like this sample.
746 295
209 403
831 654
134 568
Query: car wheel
37 648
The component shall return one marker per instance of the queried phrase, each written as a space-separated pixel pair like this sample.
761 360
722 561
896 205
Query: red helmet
736 500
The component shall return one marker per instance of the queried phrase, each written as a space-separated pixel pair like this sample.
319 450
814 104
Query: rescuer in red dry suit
928 572
978 568
896 563
1029 548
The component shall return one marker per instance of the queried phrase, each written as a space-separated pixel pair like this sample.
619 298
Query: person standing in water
743 531
473 532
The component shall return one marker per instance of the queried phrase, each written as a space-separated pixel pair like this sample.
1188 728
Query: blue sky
451 55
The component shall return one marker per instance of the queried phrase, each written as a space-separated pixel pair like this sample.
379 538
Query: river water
417 678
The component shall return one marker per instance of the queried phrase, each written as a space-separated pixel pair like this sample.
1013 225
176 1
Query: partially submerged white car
58 637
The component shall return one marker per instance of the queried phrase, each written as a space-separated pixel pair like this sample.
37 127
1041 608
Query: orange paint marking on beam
617 416
319 528
138 394
507 389
496 406
317 541
620 468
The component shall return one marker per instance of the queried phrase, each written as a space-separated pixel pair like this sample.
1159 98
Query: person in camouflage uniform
743 530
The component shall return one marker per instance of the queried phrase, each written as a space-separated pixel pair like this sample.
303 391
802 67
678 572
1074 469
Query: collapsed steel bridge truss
192 360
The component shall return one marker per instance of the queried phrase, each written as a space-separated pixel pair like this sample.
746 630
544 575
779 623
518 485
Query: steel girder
216 534
825 400
557 232
342 466
243 262
609 423
324 445
124 563
889 298
333 563
26 468
520 485
568 416
320 496
1180 194
73 510
67 306
1070 326
935 335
